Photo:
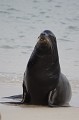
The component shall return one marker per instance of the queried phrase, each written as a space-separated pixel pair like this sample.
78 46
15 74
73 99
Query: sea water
21 22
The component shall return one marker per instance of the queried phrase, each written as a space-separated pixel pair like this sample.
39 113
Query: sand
31 112
38 113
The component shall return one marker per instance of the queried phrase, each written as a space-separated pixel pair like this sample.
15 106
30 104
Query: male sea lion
43 82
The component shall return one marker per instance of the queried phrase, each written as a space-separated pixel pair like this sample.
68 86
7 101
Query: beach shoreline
30 112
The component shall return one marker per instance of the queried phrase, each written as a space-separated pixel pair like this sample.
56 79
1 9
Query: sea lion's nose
42 37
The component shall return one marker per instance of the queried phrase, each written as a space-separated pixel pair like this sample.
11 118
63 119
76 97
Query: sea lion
43 82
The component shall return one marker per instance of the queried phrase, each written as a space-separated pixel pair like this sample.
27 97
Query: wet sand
39 113
10 111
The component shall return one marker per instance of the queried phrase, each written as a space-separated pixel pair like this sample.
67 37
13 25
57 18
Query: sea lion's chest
40 75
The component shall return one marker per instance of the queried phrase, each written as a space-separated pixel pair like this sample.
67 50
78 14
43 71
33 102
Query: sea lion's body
42 75
62 94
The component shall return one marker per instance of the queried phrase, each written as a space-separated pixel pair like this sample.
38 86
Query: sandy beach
39 113
31 112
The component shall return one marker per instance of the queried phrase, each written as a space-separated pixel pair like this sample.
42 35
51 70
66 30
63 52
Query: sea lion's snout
42 37
44 41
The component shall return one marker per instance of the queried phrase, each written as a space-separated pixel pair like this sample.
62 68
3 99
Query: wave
16 46
13 9
6 47
75 28
65 40
10 77
4 12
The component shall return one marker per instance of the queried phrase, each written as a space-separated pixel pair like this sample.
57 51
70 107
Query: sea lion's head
46 43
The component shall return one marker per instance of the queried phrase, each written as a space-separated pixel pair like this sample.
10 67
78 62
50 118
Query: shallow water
22 21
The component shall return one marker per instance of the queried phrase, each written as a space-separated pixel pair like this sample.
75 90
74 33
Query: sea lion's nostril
42 34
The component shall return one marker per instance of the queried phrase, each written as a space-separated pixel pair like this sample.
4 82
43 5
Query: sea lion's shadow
12 100
14 97
16 101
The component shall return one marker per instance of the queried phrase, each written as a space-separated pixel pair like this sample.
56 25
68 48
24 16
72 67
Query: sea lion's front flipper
51 98
26 96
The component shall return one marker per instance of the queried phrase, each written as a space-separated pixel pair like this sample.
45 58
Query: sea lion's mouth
44 40
47 39
44 45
